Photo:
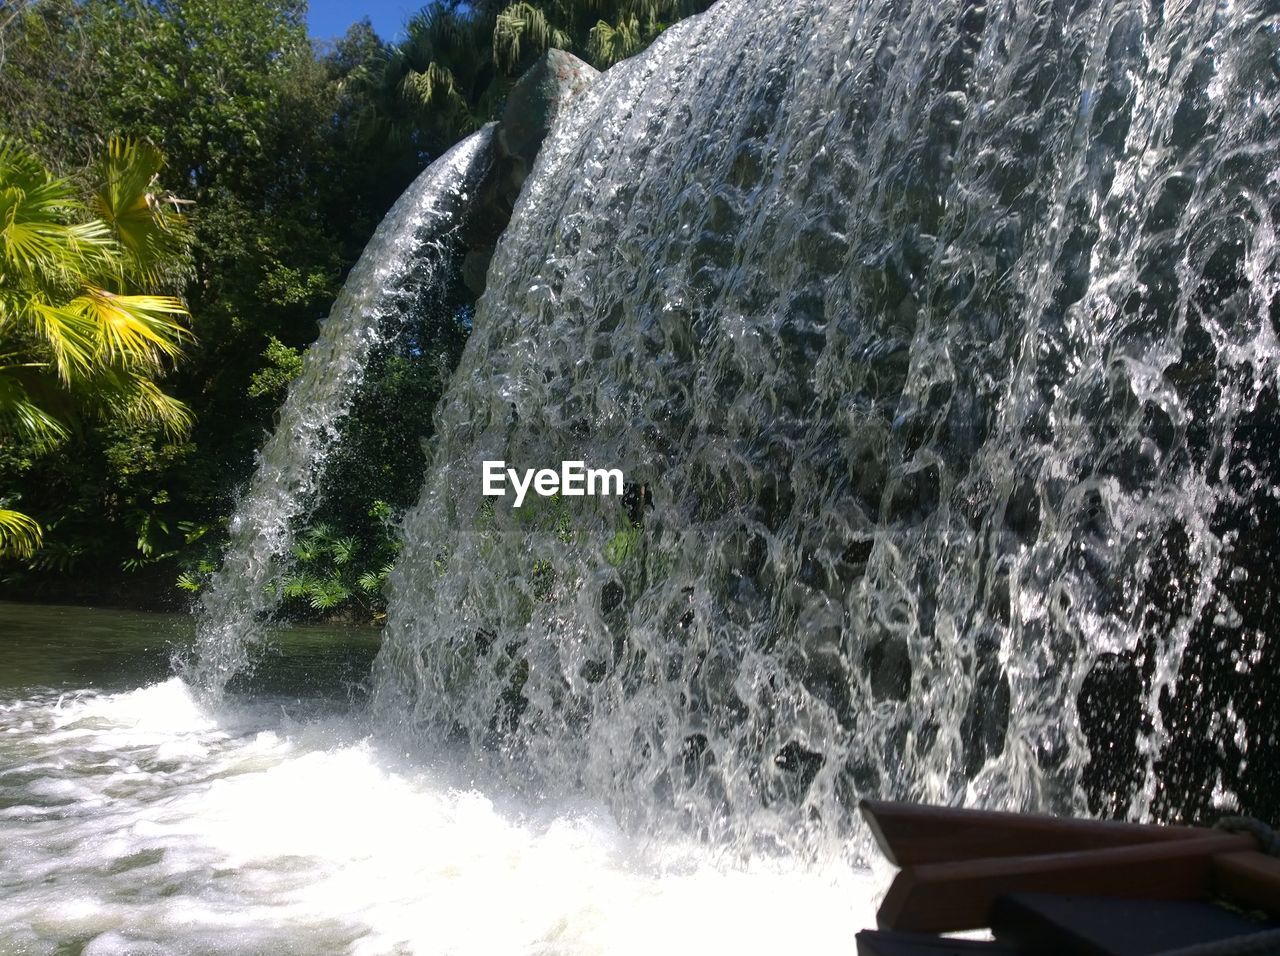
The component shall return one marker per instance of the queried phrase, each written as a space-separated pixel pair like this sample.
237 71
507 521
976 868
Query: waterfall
404 261
937 342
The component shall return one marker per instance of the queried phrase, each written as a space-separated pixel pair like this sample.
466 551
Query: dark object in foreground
1047 885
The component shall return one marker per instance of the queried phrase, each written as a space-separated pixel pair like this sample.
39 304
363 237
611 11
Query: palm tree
75 342
459 60
431 88
601 31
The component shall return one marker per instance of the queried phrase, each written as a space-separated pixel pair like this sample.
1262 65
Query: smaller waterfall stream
403 262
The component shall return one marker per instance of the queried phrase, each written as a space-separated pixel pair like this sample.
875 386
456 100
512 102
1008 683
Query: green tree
259 136
458 61
75 342
602 32
291 154
428 91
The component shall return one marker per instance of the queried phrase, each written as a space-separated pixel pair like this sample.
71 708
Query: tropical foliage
458 60
115 456
75 342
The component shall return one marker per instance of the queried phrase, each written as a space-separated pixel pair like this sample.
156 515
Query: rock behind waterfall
532 107
534 103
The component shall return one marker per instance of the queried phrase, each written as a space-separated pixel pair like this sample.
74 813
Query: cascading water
937 340
404 261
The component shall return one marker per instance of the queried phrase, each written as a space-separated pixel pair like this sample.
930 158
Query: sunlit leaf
142 218
20 535
132 329
522 28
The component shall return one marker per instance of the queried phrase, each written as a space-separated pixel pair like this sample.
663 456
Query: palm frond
520 29
71 337
607 43
434 29
328 594
151 405
373 581
23 418
430 86
342 550
142 218
20 535
59 556
298 585
132 329
138 399
36 236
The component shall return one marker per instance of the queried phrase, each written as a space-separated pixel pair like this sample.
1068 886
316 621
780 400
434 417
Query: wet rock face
534 104
532 107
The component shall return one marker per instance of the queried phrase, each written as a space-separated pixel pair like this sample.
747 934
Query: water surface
136 818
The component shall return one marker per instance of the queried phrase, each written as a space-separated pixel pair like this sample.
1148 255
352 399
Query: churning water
405 261
146 822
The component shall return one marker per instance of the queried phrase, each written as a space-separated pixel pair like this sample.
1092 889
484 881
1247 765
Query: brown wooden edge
909 833
1250 879
947 897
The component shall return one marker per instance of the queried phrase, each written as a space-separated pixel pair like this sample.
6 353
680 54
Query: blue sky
329 19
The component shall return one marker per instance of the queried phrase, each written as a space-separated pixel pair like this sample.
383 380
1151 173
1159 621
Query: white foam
220 832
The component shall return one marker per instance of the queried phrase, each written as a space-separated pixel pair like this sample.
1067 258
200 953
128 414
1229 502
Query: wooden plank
1103 926
1250 879
909 833
879 943
944 897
